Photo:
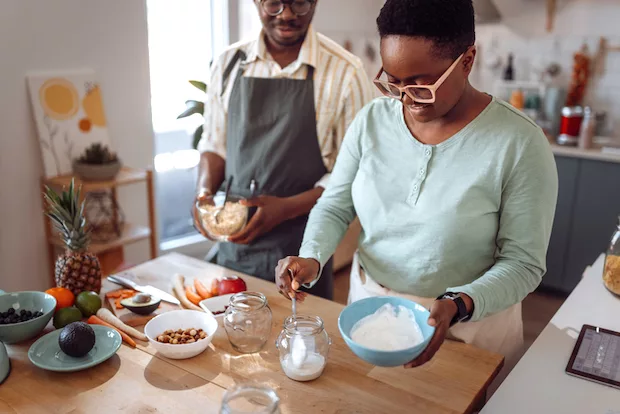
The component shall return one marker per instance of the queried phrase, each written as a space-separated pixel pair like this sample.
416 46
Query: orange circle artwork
59 99
85 125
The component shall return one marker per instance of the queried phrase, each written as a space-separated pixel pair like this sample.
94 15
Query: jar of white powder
303 345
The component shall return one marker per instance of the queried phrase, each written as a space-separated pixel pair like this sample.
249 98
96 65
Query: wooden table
139 380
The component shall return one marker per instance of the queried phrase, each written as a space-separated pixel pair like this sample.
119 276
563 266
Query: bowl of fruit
23 315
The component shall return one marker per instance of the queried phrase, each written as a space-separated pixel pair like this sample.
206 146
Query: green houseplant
97 163
195 107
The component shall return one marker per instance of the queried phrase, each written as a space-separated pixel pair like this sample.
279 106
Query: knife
153 291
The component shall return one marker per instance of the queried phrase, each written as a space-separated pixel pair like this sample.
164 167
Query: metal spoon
219 210
294 298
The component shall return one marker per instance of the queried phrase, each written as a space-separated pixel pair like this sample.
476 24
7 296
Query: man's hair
447 23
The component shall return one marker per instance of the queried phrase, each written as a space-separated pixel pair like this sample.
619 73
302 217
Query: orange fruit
64 297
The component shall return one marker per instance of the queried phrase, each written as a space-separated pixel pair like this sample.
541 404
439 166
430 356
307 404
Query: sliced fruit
64 297
202 290
215 287
77 339
65 316
192 296
88 303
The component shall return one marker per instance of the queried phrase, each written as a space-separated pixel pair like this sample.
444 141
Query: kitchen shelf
131 233
125 176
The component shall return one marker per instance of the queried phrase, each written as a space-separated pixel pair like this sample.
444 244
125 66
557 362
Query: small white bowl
181 319
216 305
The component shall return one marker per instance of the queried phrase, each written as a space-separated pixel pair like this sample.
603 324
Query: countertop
538 384
590 154
140 380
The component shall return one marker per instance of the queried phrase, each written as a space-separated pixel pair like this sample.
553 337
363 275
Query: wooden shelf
125 176
131 233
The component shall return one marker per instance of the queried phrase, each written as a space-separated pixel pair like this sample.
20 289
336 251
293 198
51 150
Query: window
184 36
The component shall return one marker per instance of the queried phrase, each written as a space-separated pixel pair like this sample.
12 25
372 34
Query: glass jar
250 398
303 345
247 321
611 273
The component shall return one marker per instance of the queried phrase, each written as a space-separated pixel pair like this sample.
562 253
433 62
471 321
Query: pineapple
77 269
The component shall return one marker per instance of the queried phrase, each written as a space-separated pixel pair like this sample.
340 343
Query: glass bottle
611 273
303 345
250 398
247 321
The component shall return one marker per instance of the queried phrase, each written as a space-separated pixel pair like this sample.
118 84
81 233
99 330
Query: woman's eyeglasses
276 7
417 93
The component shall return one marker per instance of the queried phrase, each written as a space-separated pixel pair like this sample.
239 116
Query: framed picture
69 115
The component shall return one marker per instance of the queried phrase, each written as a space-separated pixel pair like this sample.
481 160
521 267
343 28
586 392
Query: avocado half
142 303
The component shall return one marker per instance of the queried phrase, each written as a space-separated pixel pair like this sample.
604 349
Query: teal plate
45 353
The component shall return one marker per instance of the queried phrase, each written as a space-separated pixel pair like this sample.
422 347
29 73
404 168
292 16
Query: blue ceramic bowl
358 310
32 301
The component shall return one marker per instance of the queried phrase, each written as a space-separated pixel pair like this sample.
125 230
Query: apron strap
310 72
239 54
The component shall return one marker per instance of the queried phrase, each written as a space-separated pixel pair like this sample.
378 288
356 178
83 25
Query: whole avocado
77 339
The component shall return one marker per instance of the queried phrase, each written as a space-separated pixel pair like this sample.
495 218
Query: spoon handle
293 299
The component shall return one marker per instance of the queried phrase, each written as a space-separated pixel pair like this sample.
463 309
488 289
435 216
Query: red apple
231 284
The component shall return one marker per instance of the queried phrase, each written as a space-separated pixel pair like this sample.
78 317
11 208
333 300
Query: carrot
117 303
94 320
201 289
125 293
192 296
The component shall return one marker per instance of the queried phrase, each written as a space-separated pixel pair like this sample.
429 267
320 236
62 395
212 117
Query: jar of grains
611 274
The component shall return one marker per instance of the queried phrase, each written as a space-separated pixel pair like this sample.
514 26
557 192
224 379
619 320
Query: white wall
109 36
577 22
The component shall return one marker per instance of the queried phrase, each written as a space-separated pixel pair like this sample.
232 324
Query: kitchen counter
589 154
538 384
140 380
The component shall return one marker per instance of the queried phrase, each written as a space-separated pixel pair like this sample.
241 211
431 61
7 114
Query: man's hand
442 313
271 212
292 272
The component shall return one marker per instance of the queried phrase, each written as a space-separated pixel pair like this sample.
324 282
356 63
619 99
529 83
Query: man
277 111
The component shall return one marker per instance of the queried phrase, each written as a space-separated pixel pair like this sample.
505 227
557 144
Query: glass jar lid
250 399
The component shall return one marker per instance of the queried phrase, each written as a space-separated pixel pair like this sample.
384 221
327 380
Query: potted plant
97 163
195 107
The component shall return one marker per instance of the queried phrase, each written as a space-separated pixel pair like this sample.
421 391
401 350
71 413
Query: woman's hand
292 272
442 313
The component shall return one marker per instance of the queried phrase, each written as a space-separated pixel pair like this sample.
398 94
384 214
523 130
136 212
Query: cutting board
127 316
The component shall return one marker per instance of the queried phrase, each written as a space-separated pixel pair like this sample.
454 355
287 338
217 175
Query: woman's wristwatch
461 314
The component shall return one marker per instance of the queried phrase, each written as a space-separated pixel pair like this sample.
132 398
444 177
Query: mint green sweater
472 214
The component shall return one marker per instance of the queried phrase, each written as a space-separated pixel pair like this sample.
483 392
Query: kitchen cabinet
597 206
568 169
586 215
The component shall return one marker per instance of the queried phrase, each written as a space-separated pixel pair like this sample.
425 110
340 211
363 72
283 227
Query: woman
455 189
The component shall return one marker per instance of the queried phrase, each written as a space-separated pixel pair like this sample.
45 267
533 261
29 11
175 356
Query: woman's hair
448 23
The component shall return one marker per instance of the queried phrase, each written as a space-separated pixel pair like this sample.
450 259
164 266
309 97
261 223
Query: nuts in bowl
182 336
221 220
164 329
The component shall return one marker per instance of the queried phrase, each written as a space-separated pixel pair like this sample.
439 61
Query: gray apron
272 139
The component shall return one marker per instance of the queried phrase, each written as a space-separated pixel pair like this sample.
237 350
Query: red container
570 125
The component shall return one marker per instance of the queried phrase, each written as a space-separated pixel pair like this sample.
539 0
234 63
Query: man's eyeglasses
417 93
276 7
